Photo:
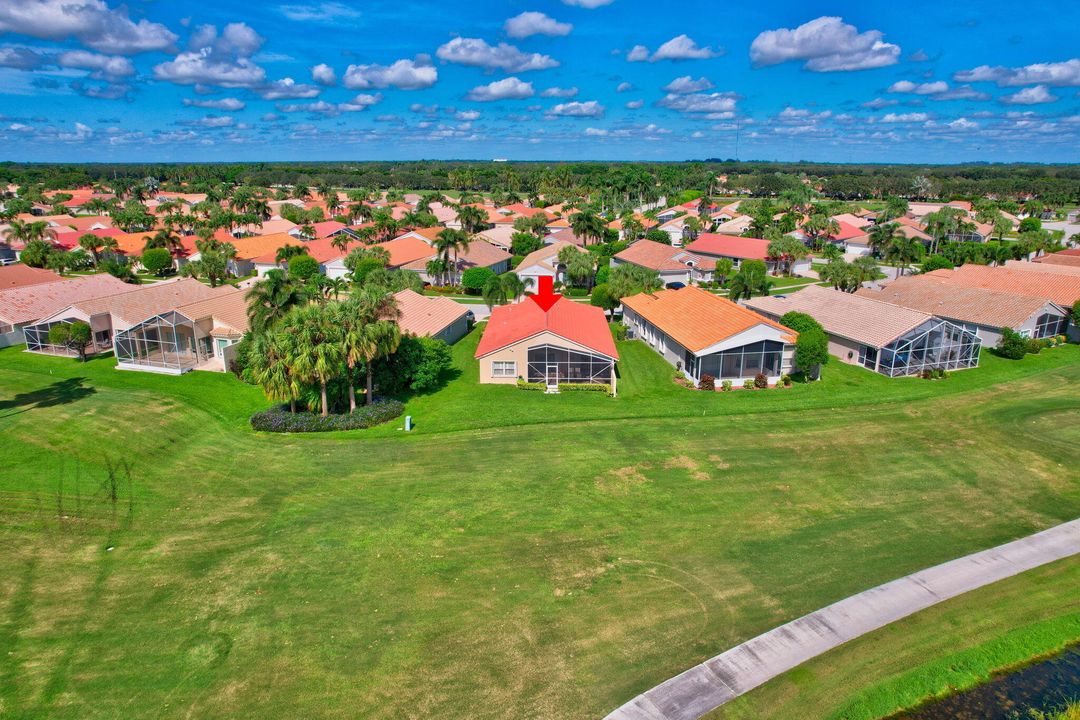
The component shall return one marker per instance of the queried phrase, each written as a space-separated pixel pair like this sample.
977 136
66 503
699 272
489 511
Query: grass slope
518 555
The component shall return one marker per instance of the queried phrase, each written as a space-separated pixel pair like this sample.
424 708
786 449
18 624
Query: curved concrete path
742 668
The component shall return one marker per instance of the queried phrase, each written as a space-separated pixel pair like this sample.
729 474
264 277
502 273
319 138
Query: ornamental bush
279 419
1012 345
474 278
523 385
761 381
707 382
748 384
585 387
725 386
157 261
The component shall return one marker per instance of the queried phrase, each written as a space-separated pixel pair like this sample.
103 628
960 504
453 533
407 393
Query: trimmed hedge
279 419
585 387
522 385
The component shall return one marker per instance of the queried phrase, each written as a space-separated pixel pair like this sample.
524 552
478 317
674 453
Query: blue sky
919 82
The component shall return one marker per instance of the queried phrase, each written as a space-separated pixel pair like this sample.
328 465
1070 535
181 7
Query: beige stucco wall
519 353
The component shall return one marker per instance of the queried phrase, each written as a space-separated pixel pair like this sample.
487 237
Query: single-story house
984 312
199 335
544 263
1059 258
880 336
675 265
736 225
403 250
703 334
1032 279
565 235
714 246
109 314
22 306
500 236
547 339
480 253
248 249
437 317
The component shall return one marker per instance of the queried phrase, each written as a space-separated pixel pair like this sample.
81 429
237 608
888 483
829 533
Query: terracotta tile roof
853 220
500 235
1059 259
70 239
731 246
520 210
657 256
847 232
1062 288
19 275
145 301
249 248
33 302
647 223
228 308
407 249
735 226
697 319
426 316
966 304
480 253
583 324
83 223
565 235
545 256
858 318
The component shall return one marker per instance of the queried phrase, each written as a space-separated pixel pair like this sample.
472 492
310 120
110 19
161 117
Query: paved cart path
744 667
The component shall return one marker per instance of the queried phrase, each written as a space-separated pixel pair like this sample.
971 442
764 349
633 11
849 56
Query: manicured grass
517 555
950 647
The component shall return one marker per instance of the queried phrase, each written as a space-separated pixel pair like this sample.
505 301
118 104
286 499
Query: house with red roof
547 339
711 247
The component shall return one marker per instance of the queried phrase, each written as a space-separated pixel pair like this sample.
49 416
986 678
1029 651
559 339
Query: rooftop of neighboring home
646 222
1059 258
326 228
697 319
253 246
1069 251
547 256
32 302
323 250
70 239
977 305
227 308
500 235
494 217
83 223
268 227
847 231
480 253
1062 288
732 246
911 232
921 209
853 220
521 210
862 319
565 235
19 275
425 316
407 249
1042 267
143 301
577 322
657 256
735 226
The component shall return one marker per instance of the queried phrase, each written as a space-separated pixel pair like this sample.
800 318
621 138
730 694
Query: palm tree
904 251
269 366
379 334
820 225
832 253
450 240
587 225
335 286
341 241
581 267
25 231
92 244
271 299
316 347
882 237
287 252
500 289
472 219
751 280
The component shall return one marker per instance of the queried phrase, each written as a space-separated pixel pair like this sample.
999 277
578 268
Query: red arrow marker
546 296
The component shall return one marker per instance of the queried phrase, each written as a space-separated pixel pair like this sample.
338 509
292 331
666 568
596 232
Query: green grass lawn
517 555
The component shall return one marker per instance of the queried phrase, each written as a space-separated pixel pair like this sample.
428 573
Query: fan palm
271 299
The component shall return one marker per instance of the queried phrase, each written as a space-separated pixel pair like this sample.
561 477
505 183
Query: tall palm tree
269 365
369 332
25 231
904 251
751 280
587 225
271 299
92 244
316 347
453 241
341 241
472 219
882 237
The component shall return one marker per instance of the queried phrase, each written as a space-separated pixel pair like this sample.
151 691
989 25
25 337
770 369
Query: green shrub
748 384
523 385
1012 345
618 330
726 386
419 364
761 381
474 278
585 387
1034 347
707 382
279 419
302 267
786 380
157 260
75 336
937 262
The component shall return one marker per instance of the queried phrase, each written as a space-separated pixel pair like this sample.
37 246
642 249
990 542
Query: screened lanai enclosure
553 365
934 345
169 343
37 339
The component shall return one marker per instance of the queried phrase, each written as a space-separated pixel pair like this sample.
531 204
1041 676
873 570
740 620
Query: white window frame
499 368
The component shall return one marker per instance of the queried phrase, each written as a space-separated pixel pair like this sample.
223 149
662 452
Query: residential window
744 362
503 368
568 366
868 356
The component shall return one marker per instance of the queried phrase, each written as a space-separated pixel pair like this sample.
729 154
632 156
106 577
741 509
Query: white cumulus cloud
681 47
1030 96
825 44
1058 74
91 22
229 104
475 52
324 74
687 84
405 74
528 24
928 88
591 109
559 92
510 88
